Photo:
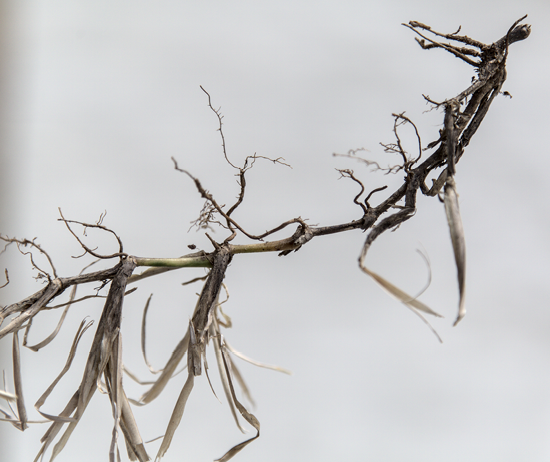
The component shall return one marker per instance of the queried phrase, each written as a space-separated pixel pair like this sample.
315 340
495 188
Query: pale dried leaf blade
101 349
167 371
175 419
87 388
459 243
208 378
257 363
399 294
414 305
421 316
250 418
8 396
135 378
46 294
144 336
113 380
177 414
95 366
52 336
18 384
223 372
134 442
80 331
244 387
169 368
55 427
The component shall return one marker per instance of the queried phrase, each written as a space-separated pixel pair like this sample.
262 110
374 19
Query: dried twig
98 225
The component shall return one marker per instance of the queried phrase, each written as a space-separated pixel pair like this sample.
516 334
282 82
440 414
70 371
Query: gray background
96 98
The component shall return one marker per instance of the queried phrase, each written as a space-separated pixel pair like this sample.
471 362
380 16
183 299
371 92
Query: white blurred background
97 96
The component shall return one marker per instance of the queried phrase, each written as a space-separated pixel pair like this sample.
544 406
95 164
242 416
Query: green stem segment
204 260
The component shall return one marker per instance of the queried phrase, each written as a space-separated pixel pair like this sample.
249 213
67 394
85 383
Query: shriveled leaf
227 323
170 367
122 413
134 443
410 302
8 396
50 337
113 381
39 300
216 336
459 243
80 331
144 336
176 416
97 360
257 363
100 354
55 427
135 378
399 294
244 387
208 378
18 384
179 408
167 371
250 418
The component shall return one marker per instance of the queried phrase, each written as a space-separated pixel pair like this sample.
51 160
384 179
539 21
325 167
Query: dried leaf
40 300
143 336
250 418
410 302
80 331
208 378
216 336
72 296
179 408
240 380
256 363
113 381
399 294
170 367
50 337
18 384
135 378
167 371
100 354
55 427
458 240
134 442
8 396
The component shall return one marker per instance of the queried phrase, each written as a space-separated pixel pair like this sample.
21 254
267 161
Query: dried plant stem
463 115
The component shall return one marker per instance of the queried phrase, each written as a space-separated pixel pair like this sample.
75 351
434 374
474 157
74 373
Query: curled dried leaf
7 396
144 336
412 303
396 292
217 341
179 408
459 243
167 371
250 418
257 363
80 331
18 384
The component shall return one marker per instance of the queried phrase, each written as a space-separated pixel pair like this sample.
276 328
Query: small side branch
98 225
29 243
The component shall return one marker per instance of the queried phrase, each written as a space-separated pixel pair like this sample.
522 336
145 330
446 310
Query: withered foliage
104 368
